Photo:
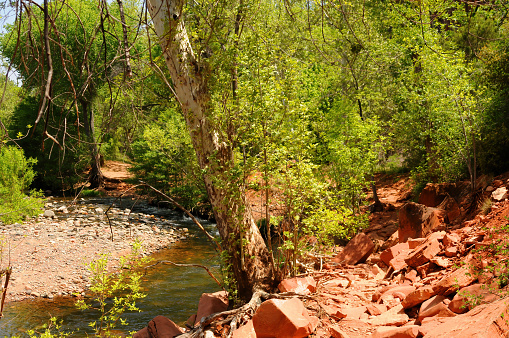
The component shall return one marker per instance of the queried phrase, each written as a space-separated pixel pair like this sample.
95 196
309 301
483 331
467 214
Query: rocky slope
436 268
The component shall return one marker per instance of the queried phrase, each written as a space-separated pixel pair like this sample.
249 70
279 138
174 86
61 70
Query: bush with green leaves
111 293
164 158
115 293
57 168
16 175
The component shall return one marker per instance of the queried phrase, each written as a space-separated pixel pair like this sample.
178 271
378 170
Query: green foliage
51 330
164 158
115 293
16 175
57 169
354 149
329 224
12 97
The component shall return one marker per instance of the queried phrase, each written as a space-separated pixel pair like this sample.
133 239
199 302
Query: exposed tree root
236 317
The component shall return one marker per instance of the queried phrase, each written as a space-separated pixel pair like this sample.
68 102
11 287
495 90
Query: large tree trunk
251 263
95 177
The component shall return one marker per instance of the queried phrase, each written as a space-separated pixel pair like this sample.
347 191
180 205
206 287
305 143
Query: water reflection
171 291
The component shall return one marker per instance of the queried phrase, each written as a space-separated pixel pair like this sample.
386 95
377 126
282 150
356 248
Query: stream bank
66 237
49 254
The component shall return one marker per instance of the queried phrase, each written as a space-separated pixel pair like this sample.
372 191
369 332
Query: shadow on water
171 291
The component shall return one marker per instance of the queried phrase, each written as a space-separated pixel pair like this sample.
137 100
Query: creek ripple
171 291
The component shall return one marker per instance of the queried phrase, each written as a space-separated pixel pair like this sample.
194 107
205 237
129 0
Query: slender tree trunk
95 177
251 264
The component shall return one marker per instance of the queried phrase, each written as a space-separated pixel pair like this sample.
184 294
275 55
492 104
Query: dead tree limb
187 213
189 266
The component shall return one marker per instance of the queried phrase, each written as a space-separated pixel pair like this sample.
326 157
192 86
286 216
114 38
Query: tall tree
251 262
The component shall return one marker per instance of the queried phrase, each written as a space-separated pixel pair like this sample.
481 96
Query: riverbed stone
162 327
211 303
49 213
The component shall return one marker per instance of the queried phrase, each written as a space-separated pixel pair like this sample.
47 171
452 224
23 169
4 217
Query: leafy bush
165 159
57 169
16 175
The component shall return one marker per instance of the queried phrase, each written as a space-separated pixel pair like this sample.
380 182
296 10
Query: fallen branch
187 213
187 266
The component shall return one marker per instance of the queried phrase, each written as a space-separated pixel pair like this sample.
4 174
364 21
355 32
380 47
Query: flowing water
171 291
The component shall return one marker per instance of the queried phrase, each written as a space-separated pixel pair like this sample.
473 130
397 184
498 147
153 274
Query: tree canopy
303 101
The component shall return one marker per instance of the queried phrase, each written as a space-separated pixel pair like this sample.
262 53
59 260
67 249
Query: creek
171 291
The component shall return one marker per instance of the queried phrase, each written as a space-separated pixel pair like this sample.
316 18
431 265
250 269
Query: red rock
433 194
469 296
451 251
398 262
415 242
418 296
376 309
356 251
335 311
407 331
143 333
245 331
425 269
441 261
377 272
354 312
211 303
283 318
434 306
451 207
412 276
451 239
430 323
340 312
417 220
301 285
162 327
191 320
399 291
484 321
393 317
423 253
336 332
380 291
459 278
387 255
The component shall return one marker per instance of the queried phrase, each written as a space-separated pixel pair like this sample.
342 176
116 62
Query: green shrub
16 175
56 168
165 159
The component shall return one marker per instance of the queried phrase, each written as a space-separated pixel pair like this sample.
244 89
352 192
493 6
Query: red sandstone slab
357 250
